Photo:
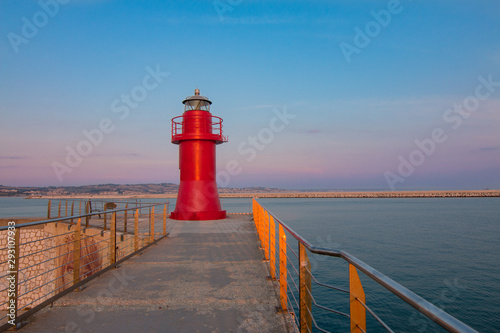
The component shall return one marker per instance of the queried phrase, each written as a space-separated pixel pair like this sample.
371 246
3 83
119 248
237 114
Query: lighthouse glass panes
196 104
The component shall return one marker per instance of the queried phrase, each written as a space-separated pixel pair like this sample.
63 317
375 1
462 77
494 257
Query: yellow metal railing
265 223
45 260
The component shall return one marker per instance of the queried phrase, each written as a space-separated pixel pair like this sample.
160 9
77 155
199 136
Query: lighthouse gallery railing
302 297
207 125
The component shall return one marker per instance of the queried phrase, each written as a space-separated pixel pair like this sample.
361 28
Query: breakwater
368 194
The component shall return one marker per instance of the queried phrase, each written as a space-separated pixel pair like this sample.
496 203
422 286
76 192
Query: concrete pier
207 276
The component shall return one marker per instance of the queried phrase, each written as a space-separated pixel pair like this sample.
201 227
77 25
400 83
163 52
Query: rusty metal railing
44 260
68 207
300 288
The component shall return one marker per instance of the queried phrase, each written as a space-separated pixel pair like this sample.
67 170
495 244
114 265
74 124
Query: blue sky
354 120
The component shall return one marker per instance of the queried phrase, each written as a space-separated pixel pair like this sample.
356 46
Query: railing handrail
59 219
434 313
220 120
177 126
131 201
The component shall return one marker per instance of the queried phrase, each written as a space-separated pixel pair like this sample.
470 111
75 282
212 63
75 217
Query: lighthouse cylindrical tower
197 132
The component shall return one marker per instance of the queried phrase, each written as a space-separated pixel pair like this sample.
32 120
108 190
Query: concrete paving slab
207 276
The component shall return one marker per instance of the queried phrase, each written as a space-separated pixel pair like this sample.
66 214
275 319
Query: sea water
20 207
446 250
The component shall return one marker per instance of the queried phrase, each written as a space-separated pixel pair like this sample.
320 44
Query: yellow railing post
125 215
261 223
136 230
72 210
165 220
253 207
152 225
105 225
48 210
305 290
264 227
272 257
257 220
77 252
256 217
357 310
112 240
13 274
87 211
283 273
59 210
266 235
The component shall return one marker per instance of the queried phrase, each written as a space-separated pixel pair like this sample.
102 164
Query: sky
380 95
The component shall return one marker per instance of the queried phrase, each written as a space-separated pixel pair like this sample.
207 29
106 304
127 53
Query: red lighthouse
197 132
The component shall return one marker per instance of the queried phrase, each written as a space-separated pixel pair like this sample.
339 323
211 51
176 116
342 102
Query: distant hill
114 189
102 189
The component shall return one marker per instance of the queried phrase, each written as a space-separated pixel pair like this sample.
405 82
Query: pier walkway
207 276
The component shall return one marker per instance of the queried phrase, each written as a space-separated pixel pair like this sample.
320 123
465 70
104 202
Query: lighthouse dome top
196 102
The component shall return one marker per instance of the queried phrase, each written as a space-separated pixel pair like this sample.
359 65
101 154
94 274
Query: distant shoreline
347 194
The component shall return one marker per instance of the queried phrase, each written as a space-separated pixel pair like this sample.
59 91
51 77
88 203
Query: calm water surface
447 250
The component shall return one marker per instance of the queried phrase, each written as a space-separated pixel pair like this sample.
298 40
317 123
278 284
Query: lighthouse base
198 200
198 216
